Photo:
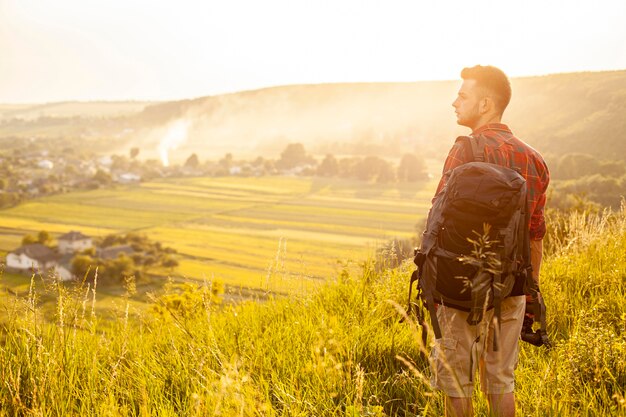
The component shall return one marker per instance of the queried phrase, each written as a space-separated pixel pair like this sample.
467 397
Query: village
43 167
75 254
39 258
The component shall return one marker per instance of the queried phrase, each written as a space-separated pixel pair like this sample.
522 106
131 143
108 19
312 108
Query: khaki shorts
450 355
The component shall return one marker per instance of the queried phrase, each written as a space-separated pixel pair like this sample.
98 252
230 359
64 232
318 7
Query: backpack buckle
474 317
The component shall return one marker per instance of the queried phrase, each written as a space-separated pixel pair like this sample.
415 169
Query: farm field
280 234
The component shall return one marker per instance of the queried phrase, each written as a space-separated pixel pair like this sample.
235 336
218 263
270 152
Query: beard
468 118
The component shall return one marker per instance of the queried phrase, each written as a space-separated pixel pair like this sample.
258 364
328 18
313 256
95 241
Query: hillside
578 112
340 351
581 112
70 109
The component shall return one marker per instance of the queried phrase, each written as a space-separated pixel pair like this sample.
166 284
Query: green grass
230 229
335 351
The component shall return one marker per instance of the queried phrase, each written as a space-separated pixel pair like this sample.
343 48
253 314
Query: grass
336 351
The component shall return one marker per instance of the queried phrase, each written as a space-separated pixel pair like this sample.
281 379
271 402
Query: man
480 104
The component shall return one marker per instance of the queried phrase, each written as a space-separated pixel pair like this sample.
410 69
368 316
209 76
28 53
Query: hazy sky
53 50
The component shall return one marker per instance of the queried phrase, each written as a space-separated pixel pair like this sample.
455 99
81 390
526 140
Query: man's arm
537 219
536 253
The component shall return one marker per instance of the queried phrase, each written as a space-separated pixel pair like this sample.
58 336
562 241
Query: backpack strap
417 276
430 306
478 148
497 310
474 148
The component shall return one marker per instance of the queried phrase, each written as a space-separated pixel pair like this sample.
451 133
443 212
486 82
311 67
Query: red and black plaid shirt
503 148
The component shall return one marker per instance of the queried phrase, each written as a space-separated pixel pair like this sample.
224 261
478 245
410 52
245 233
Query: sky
164 50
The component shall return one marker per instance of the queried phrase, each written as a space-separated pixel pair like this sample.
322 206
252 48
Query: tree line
295 159
582 181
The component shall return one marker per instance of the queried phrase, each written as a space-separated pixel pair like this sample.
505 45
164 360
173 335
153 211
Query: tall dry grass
338 352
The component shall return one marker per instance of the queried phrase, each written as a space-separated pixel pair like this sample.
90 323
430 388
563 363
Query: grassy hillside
339 351
567 113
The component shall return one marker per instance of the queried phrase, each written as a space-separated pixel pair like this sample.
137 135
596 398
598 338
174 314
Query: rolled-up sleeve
537 219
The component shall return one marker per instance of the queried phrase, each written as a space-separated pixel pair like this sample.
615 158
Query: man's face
467 105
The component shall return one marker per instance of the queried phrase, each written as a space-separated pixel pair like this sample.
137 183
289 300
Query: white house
105 161
63 273
63 268
33 257
73 242
128 178
45 164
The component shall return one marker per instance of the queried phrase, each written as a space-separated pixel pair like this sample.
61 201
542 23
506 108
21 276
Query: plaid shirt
503 148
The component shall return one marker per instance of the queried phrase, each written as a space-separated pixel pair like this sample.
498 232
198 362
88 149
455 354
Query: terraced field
277 233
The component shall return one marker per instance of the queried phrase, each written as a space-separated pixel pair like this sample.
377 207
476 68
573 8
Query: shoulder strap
474 148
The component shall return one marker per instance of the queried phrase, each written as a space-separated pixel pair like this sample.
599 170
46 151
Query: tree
29 240
124 265
149 260
269 167
293 156
192 161
411 168
226 162
369 168
612 168
258 162
386 173
119 162
9 199
102 177
329 167
347 167
575 165
169 262
43 237
119 268
134 152
81 264
110 240
71 171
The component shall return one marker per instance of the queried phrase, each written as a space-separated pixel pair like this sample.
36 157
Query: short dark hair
494 80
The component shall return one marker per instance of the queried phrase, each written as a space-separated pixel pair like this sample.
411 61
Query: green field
272 233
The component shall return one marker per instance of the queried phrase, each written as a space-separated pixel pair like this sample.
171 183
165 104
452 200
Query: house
128 178
45 164
33 257
73 242
39 258
63 268
105 161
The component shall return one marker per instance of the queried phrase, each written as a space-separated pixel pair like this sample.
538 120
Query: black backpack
476 246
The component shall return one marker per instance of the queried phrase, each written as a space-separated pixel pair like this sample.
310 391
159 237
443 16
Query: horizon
262 88
71 50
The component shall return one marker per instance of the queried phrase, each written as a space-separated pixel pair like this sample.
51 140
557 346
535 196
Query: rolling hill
577 112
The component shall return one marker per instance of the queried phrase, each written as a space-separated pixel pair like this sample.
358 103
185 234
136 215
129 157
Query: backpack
476 244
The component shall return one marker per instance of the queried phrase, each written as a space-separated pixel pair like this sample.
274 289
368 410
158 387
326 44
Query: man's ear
486 105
